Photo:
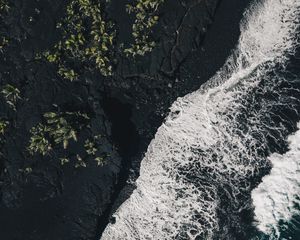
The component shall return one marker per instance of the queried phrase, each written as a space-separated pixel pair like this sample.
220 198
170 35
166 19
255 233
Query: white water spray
275 198
213 142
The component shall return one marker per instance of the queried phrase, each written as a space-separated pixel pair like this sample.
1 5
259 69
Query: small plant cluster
3 126
87 38
4 6
3 42
3 129
92 148
11 95
59 128
145 19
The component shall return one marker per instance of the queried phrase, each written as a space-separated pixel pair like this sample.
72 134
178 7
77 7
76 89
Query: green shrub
87 40
79 162
3 126
59 128
101 161
145 19
38 141
4 38
92 149
64 160
4 6
3 42
11 95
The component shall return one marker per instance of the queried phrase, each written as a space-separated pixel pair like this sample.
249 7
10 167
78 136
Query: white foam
275 198
213 137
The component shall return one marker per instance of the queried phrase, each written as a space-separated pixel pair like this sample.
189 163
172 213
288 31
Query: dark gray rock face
67 203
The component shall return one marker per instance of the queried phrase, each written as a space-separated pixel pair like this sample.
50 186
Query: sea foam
198 173
278 196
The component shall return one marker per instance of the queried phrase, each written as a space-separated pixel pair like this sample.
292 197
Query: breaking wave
212 151
277 198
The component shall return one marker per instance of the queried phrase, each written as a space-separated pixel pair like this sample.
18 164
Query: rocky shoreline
51 201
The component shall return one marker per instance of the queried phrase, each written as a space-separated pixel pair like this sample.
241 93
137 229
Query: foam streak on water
197 174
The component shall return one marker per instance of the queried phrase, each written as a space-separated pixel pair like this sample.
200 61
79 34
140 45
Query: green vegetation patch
146 17
11 94
3 126
87 40
58 129
3 42
4 9
4 6
92 149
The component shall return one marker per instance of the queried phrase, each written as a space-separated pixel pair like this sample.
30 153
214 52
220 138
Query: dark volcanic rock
62 202
52 201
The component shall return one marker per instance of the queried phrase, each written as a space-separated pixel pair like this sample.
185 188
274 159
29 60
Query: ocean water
229 149
277 197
